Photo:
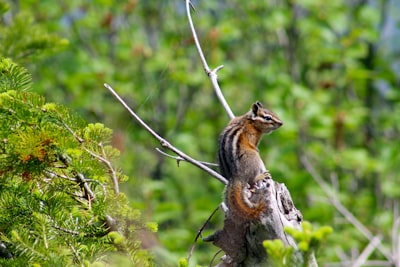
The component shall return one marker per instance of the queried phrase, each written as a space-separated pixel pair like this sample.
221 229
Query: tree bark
241 239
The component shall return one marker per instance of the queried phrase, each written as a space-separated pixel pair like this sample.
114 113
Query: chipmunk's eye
268 118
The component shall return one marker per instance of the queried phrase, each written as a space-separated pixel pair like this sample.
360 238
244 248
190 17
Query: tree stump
241 239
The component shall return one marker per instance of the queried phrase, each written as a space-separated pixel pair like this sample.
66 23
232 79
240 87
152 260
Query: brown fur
240 161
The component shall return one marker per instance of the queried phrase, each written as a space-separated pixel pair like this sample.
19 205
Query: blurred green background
329 69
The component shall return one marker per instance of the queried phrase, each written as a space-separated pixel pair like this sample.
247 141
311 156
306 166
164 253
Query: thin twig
51 174
212 74
68 231
165 143
196 39
113 172
179 159
90 195
342 209
192 6
109 165
80 140
215 255
200 232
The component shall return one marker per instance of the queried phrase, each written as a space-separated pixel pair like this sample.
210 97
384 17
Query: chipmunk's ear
256 106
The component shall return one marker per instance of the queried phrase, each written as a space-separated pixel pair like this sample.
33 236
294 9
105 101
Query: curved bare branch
165 143
212 74
179 159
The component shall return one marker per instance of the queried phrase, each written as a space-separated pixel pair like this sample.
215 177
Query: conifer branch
79 139
76 254
82 180
51 174
108 164
47 200
100 158
28 249
68 231
111 168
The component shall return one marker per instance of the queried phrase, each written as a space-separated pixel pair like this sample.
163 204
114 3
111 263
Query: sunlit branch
179 159
164 143
212 74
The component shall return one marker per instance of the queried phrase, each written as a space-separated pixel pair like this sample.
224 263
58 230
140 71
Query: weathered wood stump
241 239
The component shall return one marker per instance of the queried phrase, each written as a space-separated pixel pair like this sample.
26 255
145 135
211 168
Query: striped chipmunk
240 162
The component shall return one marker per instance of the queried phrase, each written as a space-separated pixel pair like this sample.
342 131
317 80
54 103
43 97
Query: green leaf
13 77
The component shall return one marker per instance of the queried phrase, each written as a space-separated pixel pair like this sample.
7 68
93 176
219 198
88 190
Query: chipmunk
239 160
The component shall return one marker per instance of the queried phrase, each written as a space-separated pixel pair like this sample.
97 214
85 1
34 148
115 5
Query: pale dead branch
212 74
179 159
164 143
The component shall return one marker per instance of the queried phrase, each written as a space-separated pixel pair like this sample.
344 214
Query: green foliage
4 7
308 241
13 77
306 238
183 262
59 190
278 254
23 40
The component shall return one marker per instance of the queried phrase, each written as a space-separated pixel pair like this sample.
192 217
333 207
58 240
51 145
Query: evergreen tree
59 188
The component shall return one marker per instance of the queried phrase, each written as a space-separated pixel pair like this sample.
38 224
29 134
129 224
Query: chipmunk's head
265 120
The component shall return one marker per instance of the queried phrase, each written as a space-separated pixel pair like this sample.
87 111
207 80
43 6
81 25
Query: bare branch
212 74
179 159
165 143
